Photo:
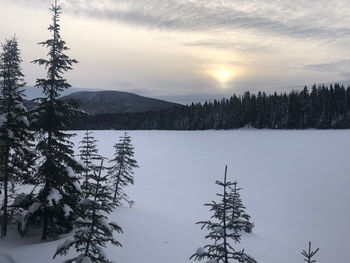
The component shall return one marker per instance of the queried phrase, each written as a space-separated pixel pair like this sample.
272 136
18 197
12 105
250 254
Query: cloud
31 3
227 45
297 19
124 84
341 66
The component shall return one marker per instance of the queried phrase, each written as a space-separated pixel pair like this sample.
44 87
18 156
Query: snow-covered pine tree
122 171
14 126
88 154
60 194
92 232
240 220
310 254
220 231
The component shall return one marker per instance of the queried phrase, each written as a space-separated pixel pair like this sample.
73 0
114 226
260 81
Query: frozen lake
295 187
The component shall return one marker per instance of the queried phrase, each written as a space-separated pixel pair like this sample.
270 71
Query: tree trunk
94 210
46 213
6 173
45 224
118 181
116 189
224 223
5 205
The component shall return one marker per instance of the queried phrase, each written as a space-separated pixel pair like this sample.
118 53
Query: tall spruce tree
122 171
88 155
92 232
220 231
60 193
240 220
14 126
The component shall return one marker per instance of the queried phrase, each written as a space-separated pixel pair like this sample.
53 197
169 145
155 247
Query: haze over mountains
104 102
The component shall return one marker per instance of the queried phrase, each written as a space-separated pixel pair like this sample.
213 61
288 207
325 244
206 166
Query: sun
222 75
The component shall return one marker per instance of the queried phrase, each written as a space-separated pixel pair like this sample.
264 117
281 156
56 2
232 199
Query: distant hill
102 102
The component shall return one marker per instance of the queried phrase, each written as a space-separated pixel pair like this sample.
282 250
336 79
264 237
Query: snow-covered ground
295 186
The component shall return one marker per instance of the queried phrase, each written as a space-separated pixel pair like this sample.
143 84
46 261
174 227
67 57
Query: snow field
295 187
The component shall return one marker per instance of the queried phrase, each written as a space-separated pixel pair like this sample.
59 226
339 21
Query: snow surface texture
295 187
6 259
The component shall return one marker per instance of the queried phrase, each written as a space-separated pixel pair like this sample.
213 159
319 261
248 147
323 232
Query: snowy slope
296 188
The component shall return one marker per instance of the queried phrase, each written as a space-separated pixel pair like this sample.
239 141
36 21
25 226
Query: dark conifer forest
321 107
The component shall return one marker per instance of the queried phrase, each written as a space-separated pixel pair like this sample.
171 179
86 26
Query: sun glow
223 75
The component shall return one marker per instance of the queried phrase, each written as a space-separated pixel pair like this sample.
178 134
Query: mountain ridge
105 102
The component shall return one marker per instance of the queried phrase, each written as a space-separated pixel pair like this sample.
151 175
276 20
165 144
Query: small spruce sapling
220 231
122 171
92 231
309 255
88 155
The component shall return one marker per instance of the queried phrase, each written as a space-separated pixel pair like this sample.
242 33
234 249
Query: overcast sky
189 50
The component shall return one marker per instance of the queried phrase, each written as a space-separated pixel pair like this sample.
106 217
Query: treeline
322 107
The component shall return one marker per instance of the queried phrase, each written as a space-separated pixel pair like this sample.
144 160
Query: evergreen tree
14 126
60 193
240 219
122 172
88 154
92 232
305 107
220 231
294 111
309 254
